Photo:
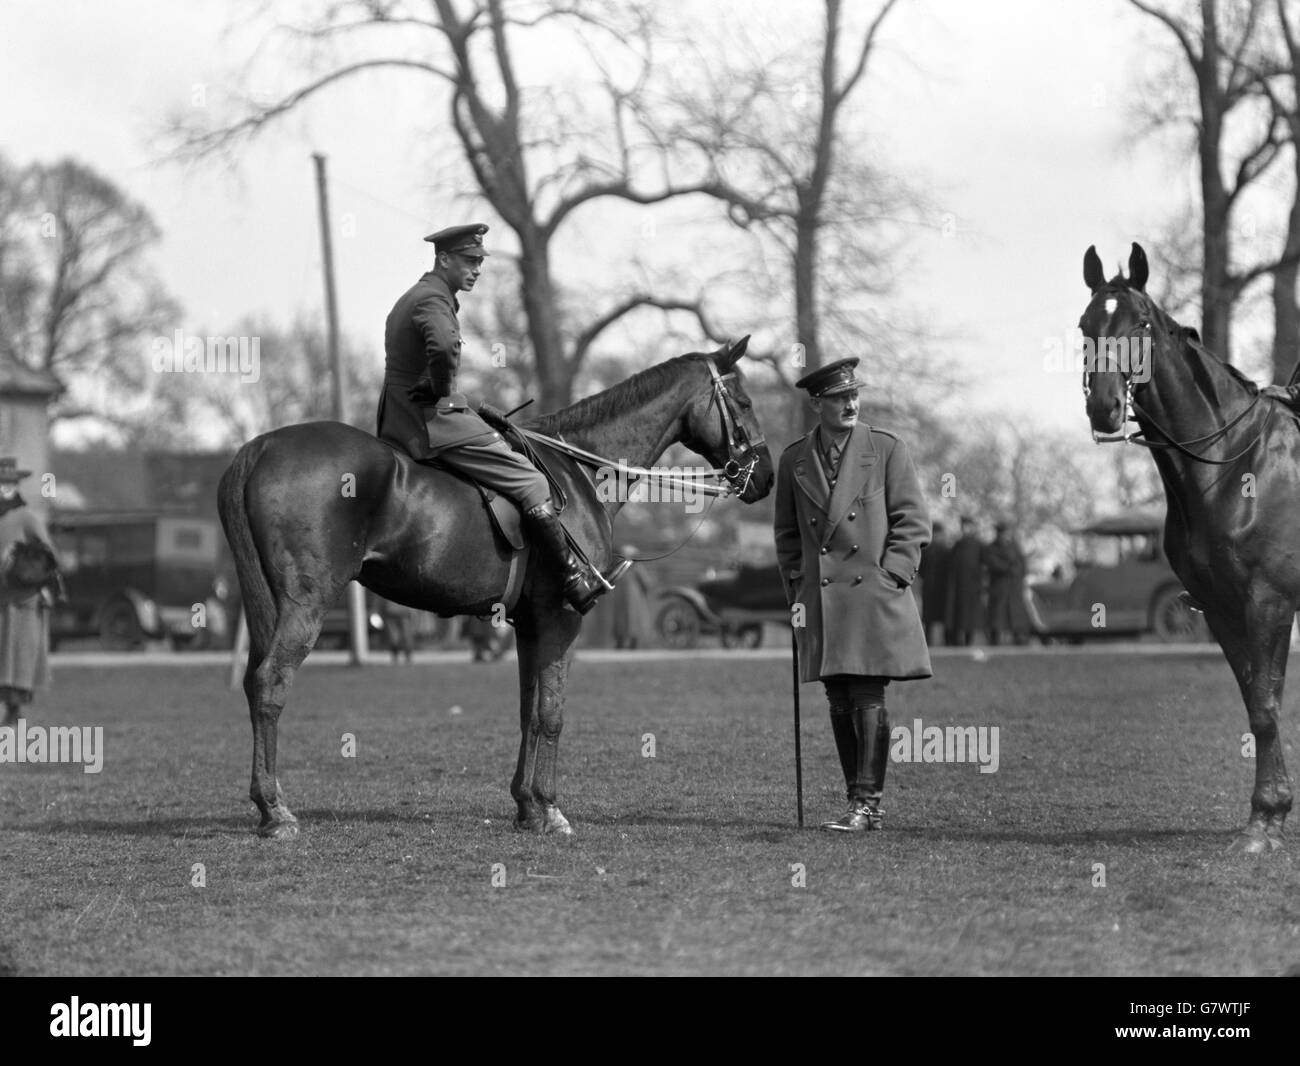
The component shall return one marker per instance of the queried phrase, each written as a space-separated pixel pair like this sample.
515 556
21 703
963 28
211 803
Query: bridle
1132 409
742 448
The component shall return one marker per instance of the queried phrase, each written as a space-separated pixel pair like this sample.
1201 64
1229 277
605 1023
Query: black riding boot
581 587
871 726
845 729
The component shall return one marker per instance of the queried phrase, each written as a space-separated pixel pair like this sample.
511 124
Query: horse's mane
618 400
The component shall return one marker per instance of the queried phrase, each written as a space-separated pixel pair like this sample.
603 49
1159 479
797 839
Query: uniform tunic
422 335
24 664
849 546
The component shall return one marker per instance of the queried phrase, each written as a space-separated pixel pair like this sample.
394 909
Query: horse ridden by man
416 516
1229 458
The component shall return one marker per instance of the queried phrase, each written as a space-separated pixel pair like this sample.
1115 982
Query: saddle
505 515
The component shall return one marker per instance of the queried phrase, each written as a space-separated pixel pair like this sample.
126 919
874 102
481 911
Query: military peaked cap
832 379
463 240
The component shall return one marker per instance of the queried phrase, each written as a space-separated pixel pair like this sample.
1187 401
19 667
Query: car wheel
1173 622
119 628
678 625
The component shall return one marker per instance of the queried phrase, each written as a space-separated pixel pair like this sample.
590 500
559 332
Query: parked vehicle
1122 586
733 606
137 575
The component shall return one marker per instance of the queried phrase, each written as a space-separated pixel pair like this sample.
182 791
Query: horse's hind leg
267 685
544 654
1256 645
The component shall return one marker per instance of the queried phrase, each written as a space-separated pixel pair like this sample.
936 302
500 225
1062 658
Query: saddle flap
507 519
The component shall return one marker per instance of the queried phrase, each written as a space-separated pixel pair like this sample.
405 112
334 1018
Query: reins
733 478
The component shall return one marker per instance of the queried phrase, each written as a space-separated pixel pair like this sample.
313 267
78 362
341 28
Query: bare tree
767 135
1279 82
293 384
536 156
77 295
1220 50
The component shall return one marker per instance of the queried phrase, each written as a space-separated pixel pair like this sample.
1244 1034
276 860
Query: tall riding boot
844 728
871 726
581 587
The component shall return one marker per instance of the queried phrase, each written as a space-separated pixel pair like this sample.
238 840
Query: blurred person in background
24 636
964 616
631 605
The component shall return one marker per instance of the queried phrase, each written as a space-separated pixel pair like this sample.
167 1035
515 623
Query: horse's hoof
1251 842
528 825
557 823
280 829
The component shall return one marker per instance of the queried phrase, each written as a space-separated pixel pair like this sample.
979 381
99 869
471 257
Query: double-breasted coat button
858 580
825 550
852 515
853 549
812 521
825 581
832 482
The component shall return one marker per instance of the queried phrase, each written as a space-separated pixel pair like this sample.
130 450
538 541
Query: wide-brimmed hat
9 472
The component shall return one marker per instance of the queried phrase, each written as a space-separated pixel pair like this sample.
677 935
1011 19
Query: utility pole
357 622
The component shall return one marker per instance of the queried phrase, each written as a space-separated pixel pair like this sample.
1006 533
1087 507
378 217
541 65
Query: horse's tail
232 504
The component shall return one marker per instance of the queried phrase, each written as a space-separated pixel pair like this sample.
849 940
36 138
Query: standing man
965 616
1005 563
422 414
850 527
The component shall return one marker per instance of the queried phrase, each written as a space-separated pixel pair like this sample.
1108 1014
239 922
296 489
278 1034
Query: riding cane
798 754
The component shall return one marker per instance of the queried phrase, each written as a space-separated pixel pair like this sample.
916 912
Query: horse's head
720 425
1116 327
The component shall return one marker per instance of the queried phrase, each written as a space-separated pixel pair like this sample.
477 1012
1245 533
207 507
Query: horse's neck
637 437
1193 395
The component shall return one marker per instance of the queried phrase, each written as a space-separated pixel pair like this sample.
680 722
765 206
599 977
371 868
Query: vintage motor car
133 576
734 606
1122 586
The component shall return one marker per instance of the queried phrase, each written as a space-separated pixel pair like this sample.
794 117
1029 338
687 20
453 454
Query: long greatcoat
24 660
848 552
1005 563
422 340
965 613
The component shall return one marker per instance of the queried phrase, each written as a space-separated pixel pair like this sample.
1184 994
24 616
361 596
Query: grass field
683 863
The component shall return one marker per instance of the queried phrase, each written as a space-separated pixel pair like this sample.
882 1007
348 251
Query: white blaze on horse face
1111 304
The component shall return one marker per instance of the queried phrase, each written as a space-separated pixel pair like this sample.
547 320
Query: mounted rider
422 414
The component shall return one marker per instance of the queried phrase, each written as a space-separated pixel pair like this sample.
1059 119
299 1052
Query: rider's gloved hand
493 416
422 392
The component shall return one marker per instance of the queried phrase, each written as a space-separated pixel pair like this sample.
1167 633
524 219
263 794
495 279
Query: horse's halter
1132 408
742 448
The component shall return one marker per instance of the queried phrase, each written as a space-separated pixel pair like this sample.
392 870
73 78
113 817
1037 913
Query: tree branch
1175 27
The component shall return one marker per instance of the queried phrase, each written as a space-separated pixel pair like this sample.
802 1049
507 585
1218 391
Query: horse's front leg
1257 651
544 657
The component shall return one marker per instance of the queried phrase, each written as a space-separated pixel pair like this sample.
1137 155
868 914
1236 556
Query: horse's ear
1093 274
731 352
1138 271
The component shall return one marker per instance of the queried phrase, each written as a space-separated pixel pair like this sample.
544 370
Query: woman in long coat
24 662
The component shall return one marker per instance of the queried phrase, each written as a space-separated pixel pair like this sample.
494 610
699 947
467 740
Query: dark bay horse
1230 462
311 507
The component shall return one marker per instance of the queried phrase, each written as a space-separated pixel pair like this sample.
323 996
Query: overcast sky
1013 113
